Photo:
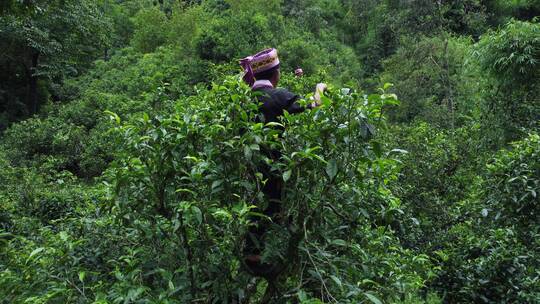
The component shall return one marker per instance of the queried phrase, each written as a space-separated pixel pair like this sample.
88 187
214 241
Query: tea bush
491 254
190 179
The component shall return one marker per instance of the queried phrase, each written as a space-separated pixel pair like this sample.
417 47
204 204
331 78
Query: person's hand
321 87
319 90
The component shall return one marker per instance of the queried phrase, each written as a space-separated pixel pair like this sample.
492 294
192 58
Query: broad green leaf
35 251
287 175
331 168
302 296
247 152
197 213
216 183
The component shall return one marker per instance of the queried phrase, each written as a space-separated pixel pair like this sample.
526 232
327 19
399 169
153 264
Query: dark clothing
273 104
276 101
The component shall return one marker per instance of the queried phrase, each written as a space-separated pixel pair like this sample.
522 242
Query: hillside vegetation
129 151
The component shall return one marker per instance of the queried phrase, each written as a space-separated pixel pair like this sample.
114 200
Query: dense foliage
129 151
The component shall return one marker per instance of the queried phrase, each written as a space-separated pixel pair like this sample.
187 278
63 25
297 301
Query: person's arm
289 102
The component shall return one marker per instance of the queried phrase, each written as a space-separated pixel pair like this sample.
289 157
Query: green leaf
259 215
222 213
82 275
33 253
373 298
331 169
197 213
216 184
302 296
339 242
287 175
247 152
369 282
113 116
325 100
337 280
274 124
185 191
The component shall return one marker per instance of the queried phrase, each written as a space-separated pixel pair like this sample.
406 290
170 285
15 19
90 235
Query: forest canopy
131 152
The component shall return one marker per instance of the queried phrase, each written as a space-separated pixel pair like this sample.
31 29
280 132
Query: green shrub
492 254
512 187
188 181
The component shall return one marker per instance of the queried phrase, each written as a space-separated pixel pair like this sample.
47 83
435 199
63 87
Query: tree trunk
32 102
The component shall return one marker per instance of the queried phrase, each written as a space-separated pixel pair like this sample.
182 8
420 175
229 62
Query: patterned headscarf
260 62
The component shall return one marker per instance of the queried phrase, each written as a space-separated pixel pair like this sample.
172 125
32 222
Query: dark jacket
276 101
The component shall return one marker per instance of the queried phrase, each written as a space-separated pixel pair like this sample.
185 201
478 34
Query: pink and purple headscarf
260 62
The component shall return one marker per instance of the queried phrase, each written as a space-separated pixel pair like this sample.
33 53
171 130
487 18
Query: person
262 74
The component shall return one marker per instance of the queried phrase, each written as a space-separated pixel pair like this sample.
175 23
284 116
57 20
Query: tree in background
39 51
437 84
510 57
151 29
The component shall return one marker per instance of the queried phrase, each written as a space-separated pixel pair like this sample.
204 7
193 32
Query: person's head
263 65
271 75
